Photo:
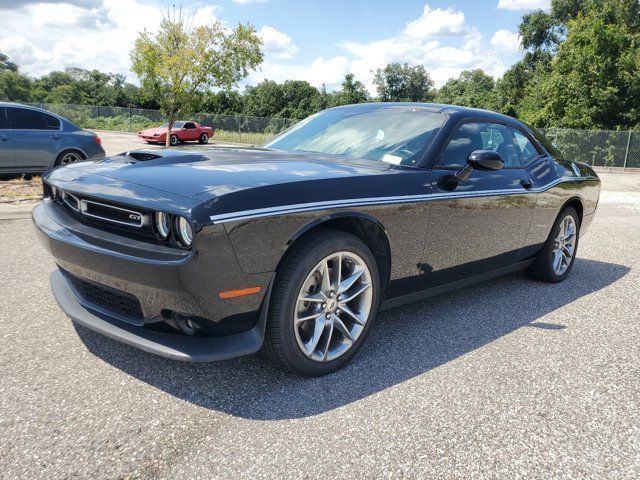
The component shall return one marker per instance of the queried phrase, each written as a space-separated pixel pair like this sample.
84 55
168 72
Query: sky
315 40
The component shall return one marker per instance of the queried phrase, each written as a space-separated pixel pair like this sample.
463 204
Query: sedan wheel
555 260
323 303
204 138
67 158
173 140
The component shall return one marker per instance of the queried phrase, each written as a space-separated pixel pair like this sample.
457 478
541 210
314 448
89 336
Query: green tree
14 86
6 65
402 83
181 60
594 81
351 91
473 88
265 99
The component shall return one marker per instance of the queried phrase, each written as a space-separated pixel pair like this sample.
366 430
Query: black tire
280 341
75 155
173 140
542 269
204 138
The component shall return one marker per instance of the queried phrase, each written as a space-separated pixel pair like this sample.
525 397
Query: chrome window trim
83 210
360 202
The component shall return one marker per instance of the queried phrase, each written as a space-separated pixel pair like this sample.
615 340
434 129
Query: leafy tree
473 88
224 102
6 65
264 99
352 91
181 60
403 83
594 81
14 86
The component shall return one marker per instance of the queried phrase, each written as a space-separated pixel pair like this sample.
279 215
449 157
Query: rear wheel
68 157
323 304
555 260
204 138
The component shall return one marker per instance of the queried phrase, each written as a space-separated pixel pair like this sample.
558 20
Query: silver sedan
33 140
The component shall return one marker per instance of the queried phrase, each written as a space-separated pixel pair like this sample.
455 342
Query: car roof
451 110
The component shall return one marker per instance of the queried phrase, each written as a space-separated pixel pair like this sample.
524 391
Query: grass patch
25 189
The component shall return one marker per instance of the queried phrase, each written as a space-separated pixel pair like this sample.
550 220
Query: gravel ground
509 379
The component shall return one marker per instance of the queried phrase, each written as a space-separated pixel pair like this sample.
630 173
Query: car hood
220 171
151 131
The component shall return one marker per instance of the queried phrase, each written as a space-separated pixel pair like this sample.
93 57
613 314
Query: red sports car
180 132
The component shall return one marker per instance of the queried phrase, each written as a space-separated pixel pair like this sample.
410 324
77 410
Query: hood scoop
143 156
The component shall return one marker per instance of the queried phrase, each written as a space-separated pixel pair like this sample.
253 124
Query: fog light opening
184 323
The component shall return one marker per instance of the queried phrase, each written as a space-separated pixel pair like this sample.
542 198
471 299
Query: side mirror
480 160
485 160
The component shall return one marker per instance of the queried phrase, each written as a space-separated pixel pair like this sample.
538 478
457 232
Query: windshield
395 135
175 125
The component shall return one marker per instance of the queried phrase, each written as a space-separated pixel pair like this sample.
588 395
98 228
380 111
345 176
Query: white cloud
524 4
506 41
436 22
245 2
276 43
99 36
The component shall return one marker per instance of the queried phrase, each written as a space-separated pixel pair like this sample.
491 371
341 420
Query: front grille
116 301
110 213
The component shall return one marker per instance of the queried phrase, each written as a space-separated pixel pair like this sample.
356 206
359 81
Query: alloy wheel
70 157
333 306
564 245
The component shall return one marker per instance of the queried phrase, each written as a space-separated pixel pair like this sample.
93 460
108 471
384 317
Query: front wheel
173 140
204 138
555 260
323 304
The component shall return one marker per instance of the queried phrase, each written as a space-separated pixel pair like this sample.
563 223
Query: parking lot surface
508 379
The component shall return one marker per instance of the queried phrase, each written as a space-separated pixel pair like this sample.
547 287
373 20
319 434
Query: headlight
54 192
161 224
184 232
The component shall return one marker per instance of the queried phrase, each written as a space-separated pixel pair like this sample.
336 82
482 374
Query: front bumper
163 280
176 347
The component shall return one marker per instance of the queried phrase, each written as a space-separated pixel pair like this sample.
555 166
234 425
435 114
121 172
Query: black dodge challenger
296 245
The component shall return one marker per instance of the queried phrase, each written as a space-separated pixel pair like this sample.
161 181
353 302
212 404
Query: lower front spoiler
177 347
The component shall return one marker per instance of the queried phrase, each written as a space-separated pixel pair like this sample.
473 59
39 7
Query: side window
527 151
51 122
25 119
4 124
473 136
189 125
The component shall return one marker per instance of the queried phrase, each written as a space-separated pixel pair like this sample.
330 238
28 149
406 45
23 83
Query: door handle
55 137
526 183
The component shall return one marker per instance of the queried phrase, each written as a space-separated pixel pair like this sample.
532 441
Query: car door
478 224
190 131
7 150
37 137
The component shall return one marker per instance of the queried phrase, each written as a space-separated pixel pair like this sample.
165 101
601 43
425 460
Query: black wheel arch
363 226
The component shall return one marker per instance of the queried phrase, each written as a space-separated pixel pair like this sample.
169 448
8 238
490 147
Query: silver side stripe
361 202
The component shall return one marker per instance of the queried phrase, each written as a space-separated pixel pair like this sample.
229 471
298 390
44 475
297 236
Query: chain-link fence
229 128
600 148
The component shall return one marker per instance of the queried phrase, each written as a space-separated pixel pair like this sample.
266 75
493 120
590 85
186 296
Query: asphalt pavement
508 379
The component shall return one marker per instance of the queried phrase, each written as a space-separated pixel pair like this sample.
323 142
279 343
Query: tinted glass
480 136
396 135
189 125
527 151
25 119
175 125
51 122
3 118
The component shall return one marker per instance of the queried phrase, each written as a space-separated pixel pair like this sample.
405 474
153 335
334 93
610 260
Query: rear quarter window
25 119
